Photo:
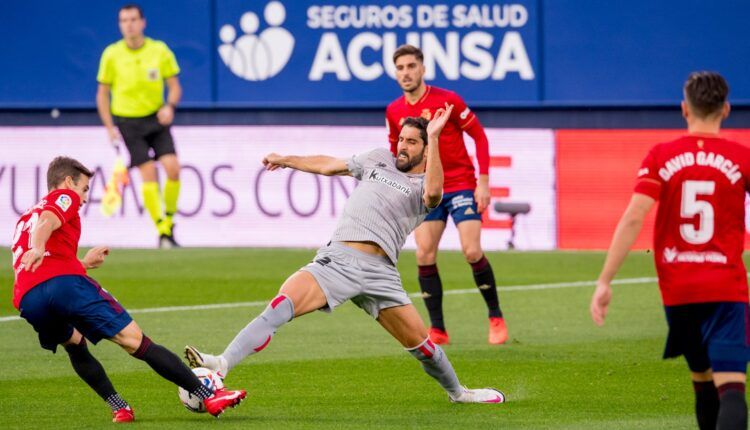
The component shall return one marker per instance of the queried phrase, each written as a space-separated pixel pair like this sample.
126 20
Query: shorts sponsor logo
469 211
64 202
461 201
673 255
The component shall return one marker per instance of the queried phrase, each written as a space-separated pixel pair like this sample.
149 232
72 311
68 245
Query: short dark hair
419 123
408 50
62 167
132 6
706 92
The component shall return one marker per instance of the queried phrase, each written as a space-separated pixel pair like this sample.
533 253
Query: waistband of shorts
360 254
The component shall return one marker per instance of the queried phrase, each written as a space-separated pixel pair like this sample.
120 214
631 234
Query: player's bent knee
473 254
129 338
721 378
425 258
702 376
75 339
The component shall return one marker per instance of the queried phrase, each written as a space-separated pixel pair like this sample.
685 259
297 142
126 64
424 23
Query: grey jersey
385 206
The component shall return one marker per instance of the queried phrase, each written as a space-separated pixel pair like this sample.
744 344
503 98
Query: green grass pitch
558 370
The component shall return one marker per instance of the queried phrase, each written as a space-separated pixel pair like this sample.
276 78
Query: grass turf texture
344 371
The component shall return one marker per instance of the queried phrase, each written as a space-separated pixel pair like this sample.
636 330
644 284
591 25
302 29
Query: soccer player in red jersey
464 198
700 181
66 307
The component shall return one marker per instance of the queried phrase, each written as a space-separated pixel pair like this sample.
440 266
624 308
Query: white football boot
479 395
217 363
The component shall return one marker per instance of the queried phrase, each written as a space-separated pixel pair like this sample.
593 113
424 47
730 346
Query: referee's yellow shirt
136 76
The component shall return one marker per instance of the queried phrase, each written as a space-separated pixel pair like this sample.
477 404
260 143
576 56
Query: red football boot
498 331
439 337
123 415
223 399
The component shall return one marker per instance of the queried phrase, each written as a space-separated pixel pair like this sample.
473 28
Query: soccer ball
207 378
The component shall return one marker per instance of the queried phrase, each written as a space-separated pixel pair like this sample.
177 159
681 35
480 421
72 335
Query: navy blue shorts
57 306
710 335
460 205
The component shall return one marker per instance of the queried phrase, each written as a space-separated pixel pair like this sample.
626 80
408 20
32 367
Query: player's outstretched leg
171 368
91 371
299 295
404 323
469 233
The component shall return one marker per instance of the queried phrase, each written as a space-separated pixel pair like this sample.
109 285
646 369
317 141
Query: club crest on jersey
63 202
426 114
153 74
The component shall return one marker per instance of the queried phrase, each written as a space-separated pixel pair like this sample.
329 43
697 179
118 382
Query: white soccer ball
207 378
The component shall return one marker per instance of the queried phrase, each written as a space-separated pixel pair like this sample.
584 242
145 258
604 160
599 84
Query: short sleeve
358 163
461 115
649 182
169 66
64 204
106 73
393 131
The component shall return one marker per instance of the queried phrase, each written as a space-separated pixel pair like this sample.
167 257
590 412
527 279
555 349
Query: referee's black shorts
141 135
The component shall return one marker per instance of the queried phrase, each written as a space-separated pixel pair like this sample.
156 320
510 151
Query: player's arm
392 133
95 257
625 235
48 222
482 193
174 94
318 164
433 180
102 106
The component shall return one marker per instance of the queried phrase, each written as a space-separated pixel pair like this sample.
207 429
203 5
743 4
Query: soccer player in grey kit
393 196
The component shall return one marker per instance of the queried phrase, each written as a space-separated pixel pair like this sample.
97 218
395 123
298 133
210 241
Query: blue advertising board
338 53
289 54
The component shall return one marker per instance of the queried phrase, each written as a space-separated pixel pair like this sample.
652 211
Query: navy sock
170 367
706 404
485 280
432 294
91 371
732 407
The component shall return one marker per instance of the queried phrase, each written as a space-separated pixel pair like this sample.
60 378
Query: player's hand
482 196
32 259
115 139
165 115
439 120
600 302
95 257
273 161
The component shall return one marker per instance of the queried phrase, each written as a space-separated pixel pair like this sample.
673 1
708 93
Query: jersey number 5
691 206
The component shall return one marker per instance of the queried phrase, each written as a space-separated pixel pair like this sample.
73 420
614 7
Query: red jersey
700 224
458 168
60 257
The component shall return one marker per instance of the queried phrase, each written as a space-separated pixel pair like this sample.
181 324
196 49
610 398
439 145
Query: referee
133 70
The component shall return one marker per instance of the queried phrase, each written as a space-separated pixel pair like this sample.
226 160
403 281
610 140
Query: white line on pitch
510 288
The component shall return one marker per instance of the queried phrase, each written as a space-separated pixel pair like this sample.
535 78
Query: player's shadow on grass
226 417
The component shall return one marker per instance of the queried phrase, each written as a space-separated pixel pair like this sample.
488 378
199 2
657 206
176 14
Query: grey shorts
371 282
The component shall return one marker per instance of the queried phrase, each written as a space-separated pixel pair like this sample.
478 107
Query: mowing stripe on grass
510 288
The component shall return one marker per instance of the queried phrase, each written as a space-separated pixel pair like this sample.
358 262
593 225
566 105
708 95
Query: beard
408 163
412 86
